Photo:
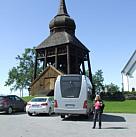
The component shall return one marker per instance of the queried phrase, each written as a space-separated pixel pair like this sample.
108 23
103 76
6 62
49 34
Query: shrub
113 96
130 95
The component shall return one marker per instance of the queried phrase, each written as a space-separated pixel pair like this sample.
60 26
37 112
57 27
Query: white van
73 95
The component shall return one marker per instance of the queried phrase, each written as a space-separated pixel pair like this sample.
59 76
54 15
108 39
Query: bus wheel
62 116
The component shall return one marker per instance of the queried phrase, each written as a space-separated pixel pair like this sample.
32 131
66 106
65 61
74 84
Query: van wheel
62 116
88 116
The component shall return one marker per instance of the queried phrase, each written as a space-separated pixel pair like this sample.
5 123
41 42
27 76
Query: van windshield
70 86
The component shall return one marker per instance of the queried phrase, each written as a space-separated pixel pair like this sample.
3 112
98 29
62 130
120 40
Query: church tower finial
62 9
62 21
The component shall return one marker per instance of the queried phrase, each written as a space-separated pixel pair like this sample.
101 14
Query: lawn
127 106
27 98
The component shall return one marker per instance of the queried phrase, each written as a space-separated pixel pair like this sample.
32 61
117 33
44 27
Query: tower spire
62 21
62 9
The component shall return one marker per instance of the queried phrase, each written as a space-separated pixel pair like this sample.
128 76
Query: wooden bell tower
62 49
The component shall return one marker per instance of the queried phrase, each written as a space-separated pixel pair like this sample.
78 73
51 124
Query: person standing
98 106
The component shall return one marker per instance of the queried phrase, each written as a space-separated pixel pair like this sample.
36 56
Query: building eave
130 67
60 38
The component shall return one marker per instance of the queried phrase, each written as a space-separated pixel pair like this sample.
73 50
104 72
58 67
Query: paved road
22 125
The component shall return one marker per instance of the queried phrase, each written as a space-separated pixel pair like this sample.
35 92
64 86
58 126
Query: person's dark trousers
99 118
97 114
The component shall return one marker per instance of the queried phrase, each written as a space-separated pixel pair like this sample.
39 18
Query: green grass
127 106
27 98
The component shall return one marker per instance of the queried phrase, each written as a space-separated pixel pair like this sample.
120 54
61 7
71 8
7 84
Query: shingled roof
60 38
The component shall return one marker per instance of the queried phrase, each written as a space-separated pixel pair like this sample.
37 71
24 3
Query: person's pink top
97 105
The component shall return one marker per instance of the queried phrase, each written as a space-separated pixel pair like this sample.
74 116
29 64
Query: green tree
98 80
112 88
20 77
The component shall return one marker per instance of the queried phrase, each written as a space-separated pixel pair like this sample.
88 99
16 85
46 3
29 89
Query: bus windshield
70 86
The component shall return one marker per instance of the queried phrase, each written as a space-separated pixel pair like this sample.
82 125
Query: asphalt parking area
22 125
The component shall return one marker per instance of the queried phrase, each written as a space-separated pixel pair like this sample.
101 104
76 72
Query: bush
113 96
130 95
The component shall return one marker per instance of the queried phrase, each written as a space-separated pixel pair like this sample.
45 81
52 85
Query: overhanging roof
60 38
130 67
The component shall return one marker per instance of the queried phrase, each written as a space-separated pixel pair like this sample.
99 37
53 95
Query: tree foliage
20 77
98 80
112 88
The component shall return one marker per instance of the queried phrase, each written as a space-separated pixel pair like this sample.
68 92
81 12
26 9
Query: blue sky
106 27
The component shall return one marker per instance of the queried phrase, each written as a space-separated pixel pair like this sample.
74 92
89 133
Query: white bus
73 95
